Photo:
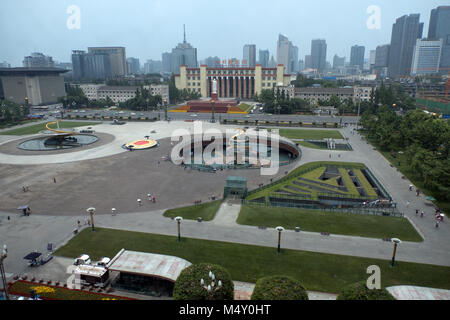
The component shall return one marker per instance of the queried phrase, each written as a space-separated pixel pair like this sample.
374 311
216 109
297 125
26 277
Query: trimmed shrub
335 125
279 288
313 124
187 286
359 291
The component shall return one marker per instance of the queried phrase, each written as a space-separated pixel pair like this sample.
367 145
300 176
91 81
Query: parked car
82 259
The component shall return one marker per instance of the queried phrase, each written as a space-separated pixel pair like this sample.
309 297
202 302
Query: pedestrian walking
422 214
417 192
407 204
417 212
153 199
54 180
24 190
437 224
410 187
79 224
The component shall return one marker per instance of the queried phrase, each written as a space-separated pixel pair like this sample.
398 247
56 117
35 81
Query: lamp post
91 212
396 242
279 229
213 286
179 219
213 120
3 255
165 109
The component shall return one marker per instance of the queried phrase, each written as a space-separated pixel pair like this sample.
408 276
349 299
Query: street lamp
396 242
165 109
91 212
179 219
213 111
279 229
213 286
3 255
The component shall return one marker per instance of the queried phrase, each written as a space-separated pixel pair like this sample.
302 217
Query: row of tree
12 113
424 140
143 101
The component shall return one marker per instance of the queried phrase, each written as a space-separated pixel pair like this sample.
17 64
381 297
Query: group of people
439 216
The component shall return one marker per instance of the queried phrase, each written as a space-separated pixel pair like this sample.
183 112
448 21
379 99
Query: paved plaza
107 176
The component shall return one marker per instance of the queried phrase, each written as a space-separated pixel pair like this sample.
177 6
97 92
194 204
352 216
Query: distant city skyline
147 29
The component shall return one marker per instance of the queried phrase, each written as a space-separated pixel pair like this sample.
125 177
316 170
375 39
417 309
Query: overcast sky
149 27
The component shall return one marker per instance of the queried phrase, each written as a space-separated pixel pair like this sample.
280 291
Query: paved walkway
227 214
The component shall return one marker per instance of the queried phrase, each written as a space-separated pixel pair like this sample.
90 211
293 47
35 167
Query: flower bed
48 292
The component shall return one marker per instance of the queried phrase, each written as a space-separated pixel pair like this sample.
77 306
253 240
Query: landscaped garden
312 180
248 263
51 292
41 126
206 211
361 225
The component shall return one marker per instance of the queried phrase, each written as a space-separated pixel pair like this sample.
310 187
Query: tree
188 287
279 288
359 291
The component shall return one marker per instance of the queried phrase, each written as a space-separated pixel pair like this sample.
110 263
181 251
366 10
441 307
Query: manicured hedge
359 291
279 288
187 286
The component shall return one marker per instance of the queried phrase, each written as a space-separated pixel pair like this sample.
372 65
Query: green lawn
333 222
39 127
245 107
310 134
317 271
205 210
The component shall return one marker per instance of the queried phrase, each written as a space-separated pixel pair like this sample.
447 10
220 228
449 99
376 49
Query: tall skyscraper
153 66
440 29
382 56
117 58
90 66
212 62
308 61
133 65
426 57
250 55
287 54
319 54
183 54
166 62
264 58
38 60
405 31
272 62
357 56
338 62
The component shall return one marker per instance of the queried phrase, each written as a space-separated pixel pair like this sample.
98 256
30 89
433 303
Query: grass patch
41 126
245 107
310 134
206 211
310 145
317 271
333 222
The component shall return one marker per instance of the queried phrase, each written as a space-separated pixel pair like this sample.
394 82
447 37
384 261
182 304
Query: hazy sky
149 27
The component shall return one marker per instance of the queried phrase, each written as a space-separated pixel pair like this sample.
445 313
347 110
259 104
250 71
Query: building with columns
233 82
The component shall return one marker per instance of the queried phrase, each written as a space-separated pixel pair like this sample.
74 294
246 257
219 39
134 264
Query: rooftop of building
29 71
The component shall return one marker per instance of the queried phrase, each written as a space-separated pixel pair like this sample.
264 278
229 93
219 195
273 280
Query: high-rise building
153 66
5 64
272 62
357 56
405 31
382 56
166 62
372 59
301 65
183 54
426 57
133 65
90 66
249 55
117 59
287 54
38 60
212 62
338 62
264 58
440 29
308 61
319 54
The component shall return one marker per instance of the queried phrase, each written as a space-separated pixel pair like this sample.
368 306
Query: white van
83 259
